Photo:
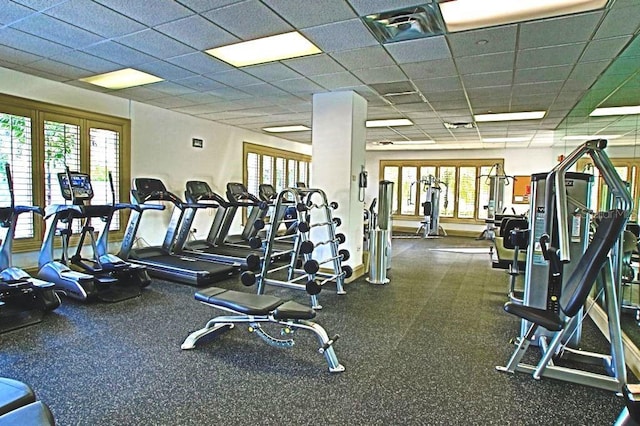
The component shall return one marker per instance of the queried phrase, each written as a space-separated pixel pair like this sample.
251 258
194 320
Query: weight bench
18 405
254 309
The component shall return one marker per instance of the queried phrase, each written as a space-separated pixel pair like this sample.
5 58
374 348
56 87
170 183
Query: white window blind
104 159
15 149
253 173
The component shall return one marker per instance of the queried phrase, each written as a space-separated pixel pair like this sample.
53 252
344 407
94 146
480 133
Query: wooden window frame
39 111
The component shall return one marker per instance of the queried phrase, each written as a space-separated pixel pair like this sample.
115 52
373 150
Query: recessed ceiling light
589 137
492 140
461 15
510 116
390 123
122 79
623 110
267 49
284 129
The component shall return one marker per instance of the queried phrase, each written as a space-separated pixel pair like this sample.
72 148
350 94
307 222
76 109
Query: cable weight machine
432 187
497 180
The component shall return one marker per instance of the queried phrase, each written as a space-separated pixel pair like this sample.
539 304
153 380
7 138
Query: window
279 168
463 190
40 140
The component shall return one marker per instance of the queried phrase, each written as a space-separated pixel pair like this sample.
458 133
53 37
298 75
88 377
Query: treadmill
160 261
198 193
239 196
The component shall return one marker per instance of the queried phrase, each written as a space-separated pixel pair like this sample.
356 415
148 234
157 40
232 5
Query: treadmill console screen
80 184
145 186
235 190
198 188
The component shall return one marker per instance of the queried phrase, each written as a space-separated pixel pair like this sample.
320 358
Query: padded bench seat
14 394
254 304
34 414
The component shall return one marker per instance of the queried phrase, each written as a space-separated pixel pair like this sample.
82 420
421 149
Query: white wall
160 139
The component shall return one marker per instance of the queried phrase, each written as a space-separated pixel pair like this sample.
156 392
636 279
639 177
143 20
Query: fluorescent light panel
389 123
589 137
623 110
461 15
122 79
496 140
510 116
284 129
267 49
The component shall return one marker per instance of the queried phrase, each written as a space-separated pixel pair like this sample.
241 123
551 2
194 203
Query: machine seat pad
244 303
34 414
14 394
547 319
293 310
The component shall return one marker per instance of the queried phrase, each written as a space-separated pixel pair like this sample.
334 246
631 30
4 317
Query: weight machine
432 186
497 179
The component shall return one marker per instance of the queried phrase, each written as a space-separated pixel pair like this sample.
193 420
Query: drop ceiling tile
429 69
299 85
149 13
366 57
432 85
200 63
229 93
31 44
485 63
165 70
343 35
589 71
368 7
16 56
617 22
548 87
197 32
201 98
450 95
604 48
170 88
156 44
424 49
12 12
248 20
171 102
549 56
483 41
206 5
197 109
199 83
448 104
263 89
537 75
89 62
63 70
386 74
39 5
273 71
53 29
314 65
95 18
118 53
488 79
311 13
234 78
43 74
141 94
563 30
336 80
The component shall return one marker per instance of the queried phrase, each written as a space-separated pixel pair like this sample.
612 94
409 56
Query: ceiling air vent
406 24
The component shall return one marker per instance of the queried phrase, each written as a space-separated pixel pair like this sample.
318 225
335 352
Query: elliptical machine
111 278
23 299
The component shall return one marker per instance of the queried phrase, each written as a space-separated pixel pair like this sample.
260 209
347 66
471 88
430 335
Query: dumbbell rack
300 279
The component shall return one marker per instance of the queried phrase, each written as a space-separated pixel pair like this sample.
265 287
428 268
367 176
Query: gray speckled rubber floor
420 351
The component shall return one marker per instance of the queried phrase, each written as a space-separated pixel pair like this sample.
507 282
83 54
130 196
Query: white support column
338 156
